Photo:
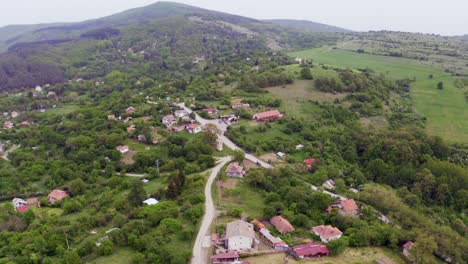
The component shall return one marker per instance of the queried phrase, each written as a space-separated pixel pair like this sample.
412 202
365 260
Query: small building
309 162
234 170
131 110
24 124
211 111
268 115
131 129
150 201
111 117
299 147
282 224
14 114
123 149
274 242
329 184
145 180
141 138
223 258
22 208
34 202
281 154
177 128
168 120
257 224
180 113
326 233
309 250
193 128
240 105
407 249
57 195
51 94
349 207
8 125
229 118
17 202
240 235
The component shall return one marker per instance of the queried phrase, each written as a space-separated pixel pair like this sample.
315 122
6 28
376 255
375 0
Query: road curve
200 254
226 141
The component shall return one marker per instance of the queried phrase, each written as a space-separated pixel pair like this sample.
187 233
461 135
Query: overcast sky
446 17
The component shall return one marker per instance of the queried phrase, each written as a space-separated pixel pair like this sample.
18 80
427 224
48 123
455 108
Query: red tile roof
257 224
309 161
22 208
349 205
57 195
310 249
234 168
267 114
282 224
408 245
211 110
326 232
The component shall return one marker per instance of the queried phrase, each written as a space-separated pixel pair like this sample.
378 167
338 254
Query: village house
111 117
229 118
234 170
193 128
240 236
326 233
268 115
34 202
299 147
223 258
141 138
240 105
407 249
329 184
123 149
14 114
8 125
51 93
257 224
168 120
282 224
126 120
131 110
131 129
180 113
309 250
24 124
17 202
178 128
309 162
57 195
150 201
281 154
211 111
274 242
346 207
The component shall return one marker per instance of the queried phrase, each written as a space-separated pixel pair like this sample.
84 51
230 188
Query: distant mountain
307 25
156 40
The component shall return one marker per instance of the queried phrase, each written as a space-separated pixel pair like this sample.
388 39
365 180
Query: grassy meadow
446 110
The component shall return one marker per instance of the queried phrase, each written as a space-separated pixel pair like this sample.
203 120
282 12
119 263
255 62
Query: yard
351 256
120 256
446 110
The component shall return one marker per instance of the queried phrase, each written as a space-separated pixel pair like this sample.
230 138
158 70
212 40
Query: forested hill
307 25
157 38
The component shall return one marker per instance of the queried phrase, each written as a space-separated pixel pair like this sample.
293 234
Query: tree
338 246
306 74
29 216
239 155
210 136
423 249
72 257
440 85
137 193
106 248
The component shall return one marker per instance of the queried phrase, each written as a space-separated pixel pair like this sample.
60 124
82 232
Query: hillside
307 25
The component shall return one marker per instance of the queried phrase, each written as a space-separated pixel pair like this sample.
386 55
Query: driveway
200 249
223 127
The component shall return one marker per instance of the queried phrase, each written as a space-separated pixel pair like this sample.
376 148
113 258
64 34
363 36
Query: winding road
200 253
226 141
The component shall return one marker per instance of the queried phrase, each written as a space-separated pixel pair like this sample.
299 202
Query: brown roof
234 168
326 232
349 205
282 224
57 195
310 249
267 114
227 255
408 245
239 228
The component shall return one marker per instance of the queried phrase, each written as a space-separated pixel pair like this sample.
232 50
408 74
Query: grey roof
240 228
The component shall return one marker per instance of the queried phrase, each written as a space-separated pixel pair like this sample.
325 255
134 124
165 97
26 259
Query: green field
446 110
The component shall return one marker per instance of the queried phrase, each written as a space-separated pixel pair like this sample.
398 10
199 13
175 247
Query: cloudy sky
447 17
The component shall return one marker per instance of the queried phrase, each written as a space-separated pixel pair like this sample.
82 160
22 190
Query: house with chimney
282 224
234 170
240 236
326 233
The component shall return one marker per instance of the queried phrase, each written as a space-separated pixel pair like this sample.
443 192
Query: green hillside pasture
446 110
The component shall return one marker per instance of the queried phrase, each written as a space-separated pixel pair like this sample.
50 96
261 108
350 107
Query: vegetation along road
200 254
